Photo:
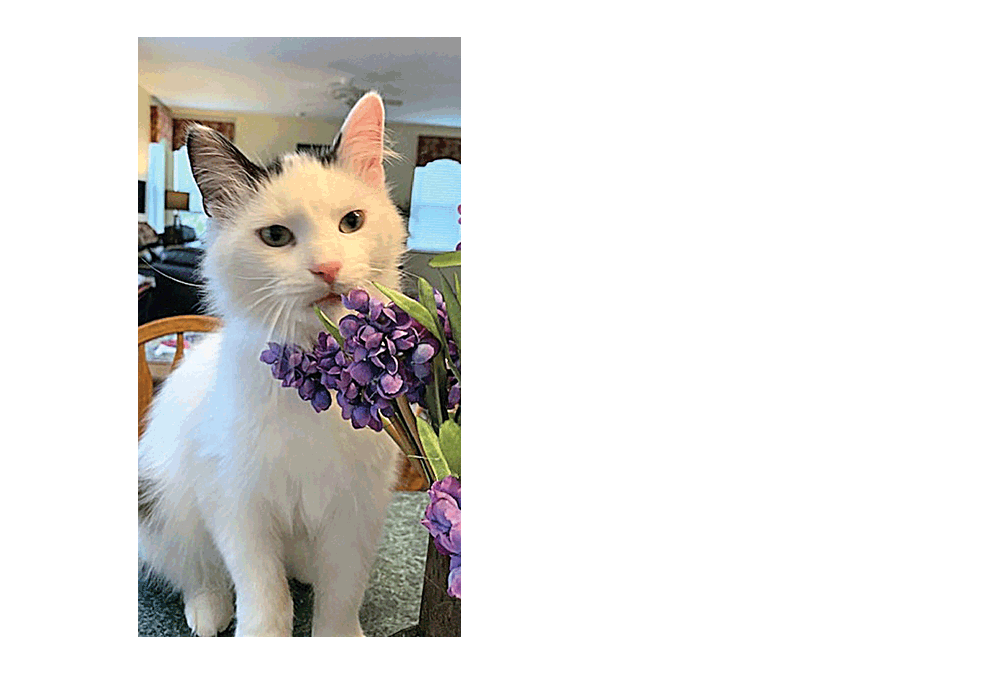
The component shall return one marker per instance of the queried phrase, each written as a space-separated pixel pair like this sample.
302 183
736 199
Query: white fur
250 485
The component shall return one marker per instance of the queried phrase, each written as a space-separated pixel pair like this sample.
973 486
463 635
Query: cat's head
299 231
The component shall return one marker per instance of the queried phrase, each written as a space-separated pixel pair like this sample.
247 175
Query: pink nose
327 270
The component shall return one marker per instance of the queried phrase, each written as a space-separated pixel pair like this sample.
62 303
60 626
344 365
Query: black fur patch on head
334 148
274 169
220 169
327 154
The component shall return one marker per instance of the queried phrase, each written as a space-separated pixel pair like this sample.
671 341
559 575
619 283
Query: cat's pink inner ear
362 138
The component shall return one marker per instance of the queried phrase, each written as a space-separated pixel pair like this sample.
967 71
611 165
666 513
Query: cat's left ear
224 175
360 145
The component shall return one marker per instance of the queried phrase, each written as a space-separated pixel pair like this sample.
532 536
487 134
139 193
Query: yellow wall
144 132
145 102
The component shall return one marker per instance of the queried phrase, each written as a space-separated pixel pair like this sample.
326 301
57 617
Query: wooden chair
172 325
410 480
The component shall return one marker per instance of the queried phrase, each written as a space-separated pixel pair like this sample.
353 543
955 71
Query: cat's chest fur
246 435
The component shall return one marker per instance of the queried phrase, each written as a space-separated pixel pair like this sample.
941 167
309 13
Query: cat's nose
327 270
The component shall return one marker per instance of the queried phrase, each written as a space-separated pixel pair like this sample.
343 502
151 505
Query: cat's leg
208 597
344 553
252 552
176 547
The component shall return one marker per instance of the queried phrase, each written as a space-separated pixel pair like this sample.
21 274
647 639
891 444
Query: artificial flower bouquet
383 359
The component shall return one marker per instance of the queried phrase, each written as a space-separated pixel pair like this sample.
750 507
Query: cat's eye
352 221
276 235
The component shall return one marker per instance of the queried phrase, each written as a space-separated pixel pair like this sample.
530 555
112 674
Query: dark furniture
178 289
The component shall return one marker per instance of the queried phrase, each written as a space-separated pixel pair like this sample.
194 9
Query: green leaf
429 302
431 448
450 445
440 378
433 400
453 310
328 324
412 308
452 259
457 287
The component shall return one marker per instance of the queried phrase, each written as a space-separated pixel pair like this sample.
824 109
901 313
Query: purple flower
443 515
300 370
361 372
385 354
356 301
454 578
423 353
454 396
443 521
282 358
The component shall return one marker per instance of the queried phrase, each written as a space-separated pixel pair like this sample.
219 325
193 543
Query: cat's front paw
209 612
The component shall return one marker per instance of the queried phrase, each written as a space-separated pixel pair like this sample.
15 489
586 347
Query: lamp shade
178 201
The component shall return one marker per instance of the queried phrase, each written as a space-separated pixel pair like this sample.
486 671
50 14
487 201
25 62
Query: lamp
176 201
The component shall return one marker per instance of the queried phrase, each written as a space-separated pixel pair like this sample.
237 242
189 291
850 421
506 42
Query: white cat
241 484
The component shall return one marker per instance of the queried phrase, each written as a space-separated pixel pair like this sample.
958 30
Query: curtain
181 125
430 148
161 125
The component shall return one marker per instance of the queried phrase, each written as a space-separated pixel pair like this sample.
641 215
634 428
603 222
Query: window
434 220
155 204
183 181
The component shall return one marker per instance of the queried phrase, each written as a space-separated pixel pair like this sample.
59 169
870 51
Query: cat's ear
360 145
224 175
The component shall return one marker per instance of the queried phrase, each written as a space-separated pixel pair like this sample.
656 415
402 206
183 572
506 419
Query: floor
391 602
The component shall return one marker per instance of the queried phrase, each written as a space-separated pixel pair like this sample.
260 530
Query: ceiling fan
344 89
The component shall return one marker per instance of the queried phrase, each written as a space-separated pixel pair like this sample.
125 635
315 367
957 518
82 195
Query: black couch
178 287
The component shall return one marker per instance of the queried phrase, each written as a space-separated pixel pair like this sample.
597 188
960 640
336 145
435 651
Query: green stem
399 434
407 419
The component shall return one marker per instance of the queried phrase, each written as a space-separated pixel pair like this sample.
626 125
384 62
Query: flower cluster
443 521
389 356
385 354
299 369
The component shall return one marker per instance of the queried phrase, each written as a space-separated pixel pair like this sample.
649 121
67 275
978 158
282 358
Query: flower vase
439 613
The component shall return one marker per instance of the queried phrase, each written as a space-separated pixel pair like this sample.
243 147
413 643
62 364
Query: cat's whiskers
271 283
286 321
293 320
271 318
268 313
272 291
403 274
279 308
266 278
280 318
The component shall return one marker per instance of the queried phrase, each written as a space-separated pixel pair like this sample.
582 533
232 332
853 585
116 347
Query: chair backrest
173 325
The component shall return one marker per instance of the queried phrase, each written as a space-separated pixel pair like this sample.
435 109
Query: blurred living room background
275 95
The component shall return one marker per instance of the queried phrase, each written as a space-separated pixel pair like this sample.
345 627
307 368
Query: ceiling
419 77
